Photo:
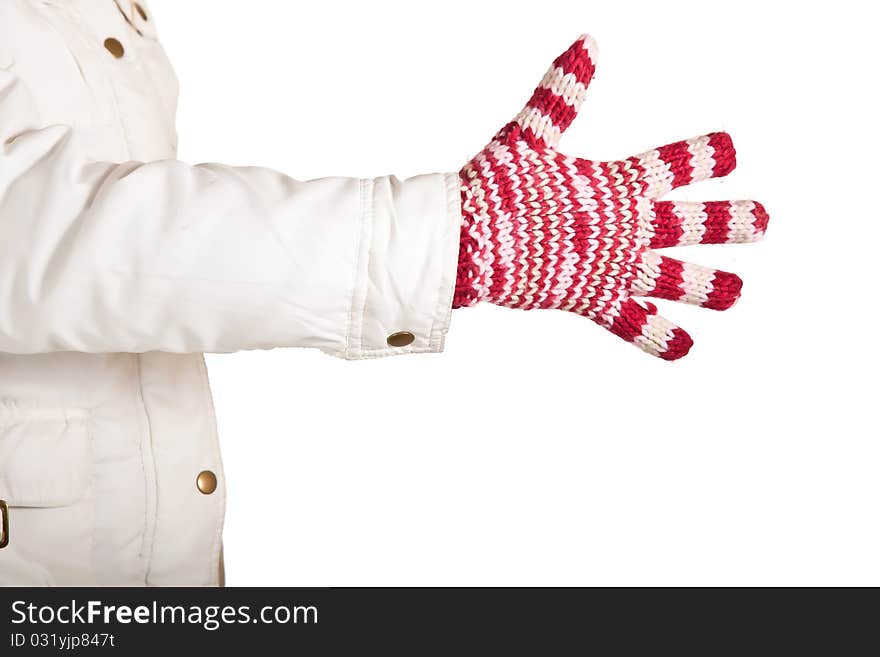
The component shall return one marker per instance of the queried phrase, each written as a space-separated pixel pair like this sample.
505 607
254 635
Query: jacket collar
135 11
128 10
138 16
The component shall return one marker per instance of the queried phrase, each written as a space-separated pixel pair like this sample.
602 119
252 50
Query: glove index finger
559 96
686 162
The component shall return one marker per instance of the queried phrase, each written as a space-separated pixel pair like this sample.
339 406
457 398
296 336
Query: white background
538 449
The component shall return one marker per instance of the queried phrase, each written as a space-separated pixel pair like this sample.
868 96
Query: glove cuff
470 282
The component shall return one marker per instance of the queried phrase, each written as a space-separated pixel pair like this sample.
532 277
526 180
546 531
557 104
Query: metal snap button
4 524
114 47
206 482
400 339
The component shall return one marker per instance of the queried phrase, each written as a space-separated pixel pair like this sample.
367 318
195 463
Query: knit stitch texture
545 230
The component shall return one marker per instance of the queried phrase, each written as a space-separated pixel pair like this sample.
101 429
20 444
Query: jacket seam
443 310
354 335
147 542
120 121
207 402
92 493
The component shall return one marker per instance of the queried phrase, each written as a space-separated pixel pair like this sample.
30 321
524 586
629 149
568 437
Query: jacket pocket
45 468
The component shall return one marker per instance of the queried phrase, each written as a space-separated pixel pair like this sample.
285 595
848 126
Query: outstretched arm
164 256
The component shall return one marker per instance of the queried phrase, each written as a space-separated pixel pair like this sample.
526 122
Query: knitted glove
544 230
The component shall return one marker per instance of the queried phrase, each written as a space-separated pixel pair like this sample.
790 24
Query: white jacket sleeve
133 257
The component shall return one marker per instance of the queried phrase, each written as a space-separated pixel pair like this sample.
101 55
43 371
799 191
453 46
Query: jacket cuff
407 262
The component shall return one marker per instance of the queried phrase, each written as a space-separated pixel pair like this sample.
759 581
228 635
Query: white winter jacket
120 266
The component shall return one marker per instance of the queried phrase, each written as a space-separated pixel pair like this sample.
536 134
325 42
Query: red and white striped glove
544 230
